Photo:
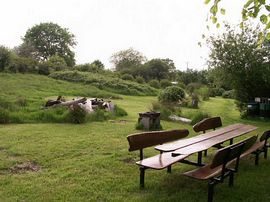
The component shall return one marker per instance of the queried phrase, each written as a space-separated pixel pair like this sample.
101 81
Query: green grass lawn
91 162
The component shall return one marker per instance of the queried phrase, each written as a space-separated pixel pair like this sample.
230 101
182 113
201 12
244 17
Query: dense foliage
4 57
127 59
172 94
106 82
47 39
239 63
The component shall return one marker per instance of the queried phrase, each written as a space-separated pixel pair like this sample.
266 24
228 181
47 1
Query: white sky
157 28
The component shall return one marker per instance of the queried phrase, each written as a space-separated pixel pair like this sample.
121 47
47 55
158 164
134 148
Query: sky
156 28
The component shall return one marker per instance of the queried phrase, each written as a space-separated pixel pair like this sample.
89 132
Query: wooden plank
206 144
147 139
161 161
186 142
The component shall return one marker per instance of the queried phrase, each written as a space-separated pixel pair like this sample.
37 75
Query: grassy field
90 162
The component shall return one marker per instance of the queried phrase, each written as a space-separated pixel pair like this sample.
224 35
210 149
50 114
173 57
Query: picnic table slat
186 142
203 145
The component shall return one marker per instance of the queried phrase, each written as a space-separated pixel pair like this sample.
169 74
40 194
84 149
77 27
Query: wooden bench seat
160 161
224 164
139 141
261 146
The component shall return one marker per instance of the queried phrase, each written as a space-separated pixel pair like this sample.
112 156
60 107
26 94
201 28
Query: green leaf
264 19
222 11
214 19
268 36
203 36
218 25
214 9
206 1
242 25
267 26
248 3
267 7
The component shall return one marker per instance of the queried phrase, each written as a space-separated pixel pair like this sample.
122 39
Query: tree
239 61
158 68
127 59
48 39
251 9
98 64
4 57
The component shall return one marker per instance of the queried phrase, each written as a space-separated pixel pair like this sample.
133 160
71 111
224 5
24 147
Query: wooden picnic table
205 141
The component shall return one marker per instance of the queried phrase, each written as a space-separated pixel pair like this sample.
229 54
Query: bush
99 115
198 117
203 92
43 69
54 63
229 94
4 116
140 79
216 92
192 87
4 57
154 83
128 77
105 82
76 115
165 109
94 67
164 83
119 112
171 94
23 65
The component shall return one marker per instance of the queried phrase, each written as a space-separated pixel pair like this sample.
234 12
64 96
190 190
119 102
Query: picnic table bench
221 166
139 141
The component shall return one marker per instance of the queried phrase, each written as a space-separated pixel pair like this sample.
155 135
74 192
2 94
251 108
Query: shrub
106 82
140 79
23 65
154 83
165 109
76 115
54 63
171 94
4 116
203 92
229 94
43 69
164 83
192 87
118 111
128 77
4 57
216 92
98 115
94 67
198 117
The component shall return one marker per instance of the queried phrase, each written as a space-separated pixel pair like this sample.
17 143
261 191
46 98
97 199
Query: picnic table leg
142 174
265 152
231 141
205 152
169 169
210 191
231 179
200 158
257 158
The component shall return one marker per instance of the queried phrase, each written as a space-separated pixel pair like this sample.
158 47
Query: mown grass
90 162
23 97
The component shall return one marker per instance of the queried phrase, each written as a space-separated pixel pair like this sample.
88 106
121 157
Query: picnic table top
206 140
